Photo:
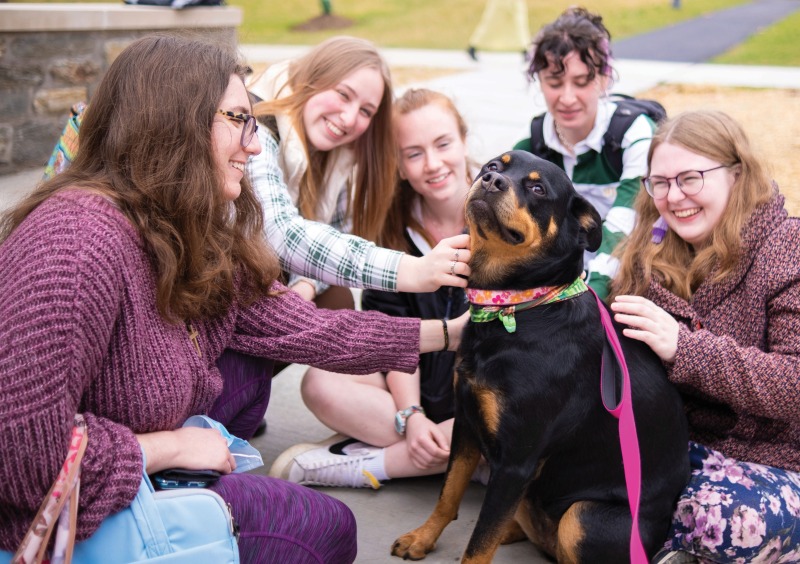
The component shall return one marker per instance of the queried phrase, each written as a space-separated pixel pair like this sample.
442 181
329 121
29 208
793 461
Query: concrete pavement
497 102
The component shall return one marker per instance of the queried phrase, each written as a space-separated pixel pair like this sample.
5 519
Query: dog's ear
589 221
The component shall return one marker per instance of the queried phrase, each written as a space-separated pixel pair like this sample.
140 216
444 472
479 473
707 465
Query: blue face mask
245 455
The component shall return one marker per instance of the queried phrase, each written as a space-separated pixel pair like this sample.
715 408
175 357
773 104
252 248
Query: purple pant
278 521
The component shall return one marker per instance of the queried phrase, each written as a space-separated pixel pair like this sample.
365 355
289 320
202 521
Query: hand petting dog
647 323
445 265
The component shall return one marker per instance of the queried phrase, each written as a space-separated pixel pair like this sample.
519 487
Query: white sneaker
326 464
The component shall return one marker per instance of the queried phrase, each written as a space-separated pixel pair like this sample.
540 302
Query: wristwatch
401 416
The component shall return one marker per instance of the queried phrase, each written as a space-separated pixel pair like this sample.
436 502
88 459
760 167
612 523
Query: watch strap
402 416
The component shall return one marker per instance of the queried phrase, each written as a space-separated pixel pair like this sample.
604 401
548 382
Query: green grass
447 24
443 24
775 45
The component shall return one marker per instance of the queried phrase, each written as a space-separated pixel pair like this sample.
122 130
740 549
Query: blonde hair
400 215
319 70
674 262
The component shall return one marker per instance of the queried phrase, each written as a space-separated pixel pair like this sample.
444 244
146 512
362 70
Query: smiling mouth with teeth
333 129
686 213
438 178
238 166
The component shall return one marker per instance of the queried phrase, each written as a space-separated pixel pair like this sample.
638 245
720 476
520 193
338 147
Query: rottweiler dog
529 401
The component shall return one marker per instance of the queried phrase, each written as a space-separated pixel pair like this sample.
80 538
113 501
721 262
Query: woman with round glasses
710 280
125 277
326 177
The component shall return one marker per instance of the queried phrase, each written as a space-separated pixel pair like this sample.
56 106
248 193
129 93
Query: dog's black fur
529 401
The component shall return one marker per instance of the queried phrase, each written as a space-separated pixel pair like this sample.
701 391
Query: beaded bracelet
446 336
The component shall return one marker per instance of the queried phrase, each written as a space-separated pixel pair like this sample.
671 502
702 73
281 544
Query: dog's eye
491 166
537 189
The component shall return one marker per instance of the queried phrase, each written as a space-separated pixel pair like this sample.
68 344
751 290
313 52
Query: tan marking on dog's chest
490 405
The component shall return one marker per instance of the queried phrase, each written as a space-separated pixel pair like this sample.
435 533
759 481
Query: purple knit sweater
80 332
738 361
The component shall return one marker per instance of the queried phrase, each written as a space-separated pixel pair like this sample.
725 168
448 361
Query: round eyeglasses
250 125
690 182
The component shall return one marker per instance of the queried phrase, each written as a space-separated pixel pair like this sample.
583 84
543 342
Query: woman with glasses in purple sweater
124 278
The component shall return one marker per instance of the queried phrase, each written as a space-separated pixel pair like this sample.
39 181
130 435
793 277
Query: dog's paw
411 546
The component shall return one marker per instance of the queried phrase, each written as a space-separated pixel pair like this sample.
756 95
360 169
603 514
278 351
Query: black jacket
436 368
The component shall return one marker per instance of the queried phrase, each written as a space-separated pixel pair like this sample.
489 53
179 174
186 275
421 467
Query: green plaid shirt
324 253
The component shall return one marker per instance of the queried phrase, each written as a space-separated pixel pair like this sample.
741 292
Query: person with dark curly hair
571 60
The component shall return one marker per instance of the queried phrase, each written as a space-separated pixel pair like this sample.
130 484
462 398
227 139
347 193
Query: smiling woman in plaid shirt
326 176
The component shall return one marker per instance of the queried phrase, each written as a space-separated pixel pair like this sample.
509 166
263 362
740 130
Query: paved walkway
700 39
498 103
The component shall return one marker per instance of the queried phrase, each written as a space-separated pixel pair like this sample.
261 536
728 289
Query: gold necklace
561 137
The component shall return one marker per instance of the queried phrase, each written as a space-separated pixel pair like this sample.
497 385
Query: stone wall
53 55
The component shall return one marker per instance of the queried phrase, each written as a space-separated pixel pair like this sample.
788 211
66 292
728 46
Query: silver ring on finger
453 268
456 257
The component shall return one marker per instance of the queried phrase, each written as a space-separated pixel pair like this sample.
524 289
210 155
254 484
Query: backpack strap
538 146
612 140
628 109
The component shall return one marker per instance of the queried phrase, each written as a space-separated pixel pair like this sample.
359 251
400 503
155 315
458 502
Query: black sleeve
390 303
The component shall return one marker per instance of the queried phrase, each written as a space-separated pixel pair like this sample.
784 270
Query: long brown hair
145 143
321 69
400 216
674 262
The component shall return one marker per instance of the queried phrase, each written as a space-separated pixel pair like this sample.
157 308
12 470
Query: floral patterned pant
738 512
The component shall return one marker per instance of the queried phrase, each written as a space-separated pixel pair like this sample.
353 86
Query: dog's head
528 226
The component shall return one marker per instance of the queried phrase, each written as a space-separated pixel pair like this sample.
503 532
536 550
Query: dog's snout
494 182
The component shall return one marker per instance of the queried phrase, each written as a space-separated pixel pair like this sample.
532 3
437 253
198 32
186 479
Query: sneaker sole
280 468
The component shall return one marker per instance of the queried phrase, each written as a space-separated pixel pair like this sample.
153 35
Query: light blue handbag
180 526
188 525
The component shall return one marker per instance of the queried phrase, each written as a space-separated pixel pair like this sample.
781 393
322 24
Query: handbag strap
64 489
148 518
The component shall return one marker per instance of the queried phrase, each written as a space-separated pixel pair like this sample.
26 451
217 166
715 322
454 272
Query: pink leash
628 439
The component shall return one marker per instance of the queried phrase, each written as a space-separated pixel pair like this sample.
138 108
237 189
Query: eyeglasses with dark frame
250 125
690 182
